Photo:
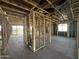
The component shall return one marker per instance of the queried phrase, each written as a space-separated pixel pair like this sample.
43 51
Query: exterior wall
72 30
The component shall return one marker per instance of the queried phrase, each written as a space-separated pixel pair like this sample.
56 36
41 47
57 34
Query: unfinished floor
61 48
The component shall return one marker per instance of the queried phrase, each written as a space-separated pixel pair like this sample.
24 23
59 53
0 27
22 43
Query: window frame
64 27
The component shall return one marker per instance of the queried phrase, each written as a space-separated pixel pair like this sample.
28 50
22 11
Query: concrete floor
61 48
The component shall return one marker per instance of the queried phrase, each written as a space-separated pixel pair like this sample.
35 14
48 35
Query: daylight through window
62 27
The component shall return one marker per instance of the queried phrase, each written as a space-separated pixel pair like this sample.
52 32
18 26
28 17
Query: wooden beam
32 8
35 5
71 9
50 31
55 9
14 10
60 6
44 31
52 20
15 5
15 13
21 7
34 39
1 14
75 3
4 31
56 17
75 8
46 6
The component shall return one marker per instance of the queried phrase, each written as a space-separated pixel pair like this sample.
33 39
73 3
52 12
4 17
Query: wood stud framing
55 9
40 24
42 10
4 31
78 32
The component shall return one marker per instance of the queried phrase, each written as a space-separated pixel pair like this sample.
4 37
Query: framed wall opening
17 29
40 29
62 29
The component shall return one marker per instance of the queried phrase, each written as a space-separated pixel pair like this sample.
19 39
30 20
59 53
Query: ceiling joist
55 9
15 5
75 3
14 10
35 5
